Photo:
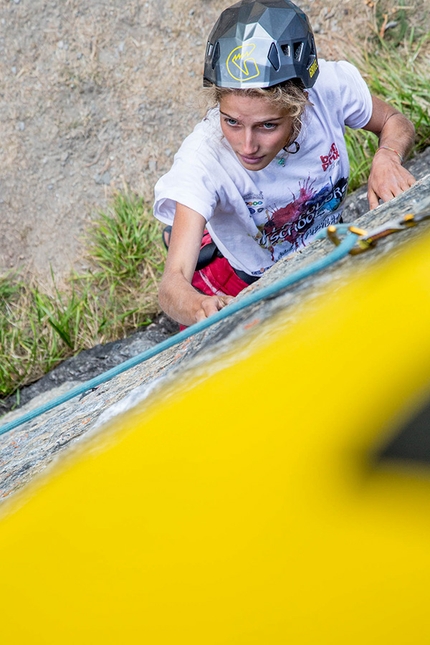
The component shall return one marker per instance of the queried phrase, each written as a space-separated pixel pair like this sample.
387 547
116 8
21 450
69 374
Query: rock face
29 448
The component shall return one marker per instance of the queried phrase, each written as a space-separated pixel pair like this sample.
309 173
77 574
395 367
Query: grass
115 295
395 65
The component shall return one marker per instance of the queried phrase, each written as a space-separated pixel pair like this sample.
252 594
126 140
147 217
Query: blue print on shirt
293 224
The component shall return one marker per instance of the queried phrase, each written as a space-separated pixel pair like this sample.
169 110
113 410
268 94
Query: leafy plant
114 296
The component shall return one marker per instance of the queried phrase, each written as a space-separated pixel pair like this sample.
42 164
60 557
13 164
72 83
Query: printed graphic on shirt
328 160
255 203
289 227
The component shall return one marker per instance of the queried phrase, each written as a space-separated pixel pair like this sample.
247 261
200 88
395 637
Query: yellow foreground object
244 508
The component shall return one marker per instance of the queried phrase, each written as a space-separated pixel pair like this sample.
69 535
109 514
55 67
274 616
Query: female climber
267 168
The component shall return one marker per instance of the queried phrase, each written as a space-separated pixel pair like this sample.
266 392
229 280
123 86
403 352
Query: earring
296 144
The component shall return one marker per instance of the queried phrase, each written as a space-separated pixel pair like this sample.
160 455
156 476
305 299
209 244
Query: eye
269 126
231 122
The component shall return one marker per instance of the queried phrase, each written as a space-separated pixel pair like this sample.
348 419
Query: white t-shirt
257 217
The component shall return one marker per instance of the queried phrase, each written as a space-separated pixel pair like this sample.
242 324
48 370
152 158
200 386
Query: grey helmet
260 43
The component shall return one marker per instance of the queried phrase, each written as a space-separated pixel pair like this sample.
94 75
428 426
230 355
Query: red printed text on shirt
327 160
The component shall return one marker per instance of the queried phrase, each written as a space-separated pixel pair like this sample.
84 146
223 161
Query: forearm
388 178
177 297
397 136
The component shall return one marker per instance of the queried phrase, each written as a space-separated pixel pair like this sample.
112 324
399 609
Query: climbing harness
347 240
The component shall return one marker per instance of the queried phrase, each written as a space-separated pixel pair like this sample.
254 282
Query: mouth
250 161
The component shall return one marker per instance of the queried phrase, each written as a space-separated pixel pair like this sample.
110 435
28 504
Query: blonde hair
290 96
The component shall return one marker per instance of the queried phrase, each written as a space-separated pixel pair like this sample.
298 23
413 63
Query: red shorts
218 278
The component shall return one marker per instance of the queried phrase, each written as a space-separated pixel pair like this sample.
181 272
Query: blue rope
267 292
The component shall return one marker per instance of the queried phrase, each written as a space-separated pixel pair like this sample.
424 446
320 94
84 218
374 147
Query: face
255 129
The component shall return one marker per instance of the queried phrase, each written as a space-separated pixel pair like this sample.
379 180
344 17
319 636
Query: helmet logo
313 68
240 65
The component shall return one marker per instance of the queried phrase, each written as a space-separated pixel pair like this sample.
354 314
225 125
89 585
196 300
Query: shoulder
200 170
206 138
336 76
341 89
204 154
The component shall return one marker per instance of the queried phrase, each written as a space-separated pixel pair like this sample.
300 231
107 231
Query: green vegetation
394 63
114 296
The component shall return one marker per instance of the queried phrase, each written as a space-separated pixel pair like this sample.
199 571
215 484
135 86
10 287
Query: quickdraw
368 239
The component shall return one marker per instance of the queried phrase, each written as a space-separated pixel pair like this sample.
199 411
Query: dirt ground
96 95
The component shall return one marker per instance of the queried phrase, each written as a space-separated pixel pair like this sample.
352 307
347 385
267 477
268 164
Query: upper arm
185 242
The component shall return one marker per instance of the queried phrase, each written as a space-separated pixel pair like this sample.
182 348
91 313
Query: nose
249 142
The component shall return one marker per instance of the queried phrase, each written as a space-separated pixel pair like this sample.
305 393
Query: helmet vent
209 50
298 50
286 50
217 53
273 57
